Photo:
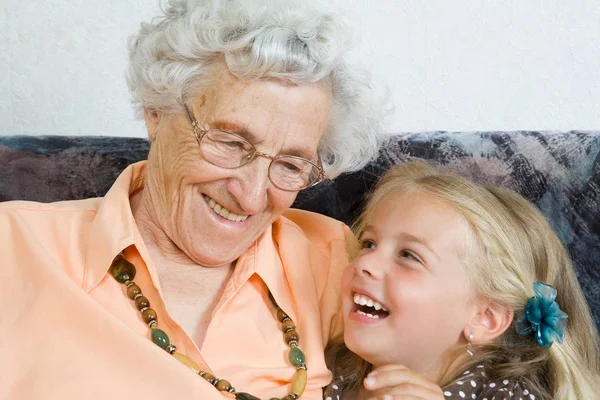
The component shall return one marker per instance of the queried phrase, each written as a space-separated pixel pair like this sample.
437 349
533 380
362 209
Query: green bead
245 396
160 338
296 356
122 270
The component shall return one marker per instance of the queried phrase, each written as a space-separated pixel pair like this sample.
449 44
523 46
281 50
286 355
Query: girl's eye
409 254
367 244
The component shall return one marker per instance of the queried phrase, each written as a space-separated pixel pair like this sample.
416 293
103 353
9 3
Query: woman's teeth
223 212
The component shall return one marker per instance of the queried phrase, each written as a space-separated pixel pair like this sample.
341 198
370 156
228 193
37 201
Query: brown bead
208 376
149 315
291 335
142 302
288 397
281 315
245 396
133 290
287 325
223 385
122 270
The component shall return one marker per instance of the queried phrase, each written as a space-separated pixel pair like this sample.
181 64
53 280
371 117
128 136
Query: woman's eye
367 244
291 167
233 144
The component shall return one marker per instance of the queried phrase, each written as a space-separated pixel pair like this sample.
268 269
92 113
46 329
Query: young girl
460 292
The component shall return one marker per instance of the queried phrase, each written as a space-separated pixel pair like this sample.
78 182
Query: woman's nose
251 185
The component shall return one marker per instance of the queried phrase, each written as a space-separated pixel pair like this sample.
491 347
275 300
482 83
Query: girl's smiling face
407 296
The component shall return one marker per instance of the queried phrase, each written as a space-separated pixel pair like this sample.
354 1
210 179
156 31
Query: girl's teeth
363 300
367 314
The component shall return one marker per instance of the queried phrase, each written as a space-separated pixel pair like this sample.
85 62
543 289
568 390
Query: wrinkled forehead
220 87
273 113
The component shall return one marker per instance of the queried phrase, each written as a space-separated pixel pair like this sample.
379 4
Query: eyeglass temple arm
187 110
320 162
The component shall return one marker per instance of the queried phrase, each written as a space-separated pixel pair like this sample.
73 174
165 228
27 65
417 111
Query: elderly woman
192 278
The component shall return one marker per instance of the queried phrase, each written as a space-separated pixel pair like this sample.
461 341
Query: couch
558 171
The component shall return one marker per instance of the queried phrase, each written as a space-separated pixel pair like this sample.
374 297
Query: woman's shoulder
318 228
308 220
24 207
41 243
22 213
44 228
39 218
475 384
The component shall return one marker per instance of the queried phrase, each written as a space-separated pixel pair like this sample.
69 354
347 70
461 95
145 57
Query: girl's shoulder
475 384
334 390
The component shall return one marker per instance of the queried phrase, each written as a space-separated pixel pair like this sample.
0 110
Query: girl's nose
368 266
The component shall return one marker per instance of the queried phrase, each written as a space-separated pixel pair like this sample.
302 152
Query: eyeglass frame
200 133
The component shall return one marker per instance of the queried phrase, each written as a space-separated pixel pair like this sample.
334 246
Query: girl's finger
409 390
392 377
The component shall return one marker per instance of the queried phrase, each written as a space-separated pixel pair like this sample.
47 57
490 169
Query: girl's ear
152 118
489 322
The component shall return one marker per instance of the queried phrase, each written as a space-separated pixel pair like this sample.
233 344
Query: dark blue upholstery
559 172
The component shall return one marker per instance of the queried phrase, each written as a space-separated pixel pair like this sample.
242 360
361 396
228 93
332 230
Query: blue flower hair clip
543 316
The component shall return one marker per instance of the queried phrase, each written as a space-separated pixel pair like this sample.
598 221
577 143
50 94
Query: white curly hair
171 59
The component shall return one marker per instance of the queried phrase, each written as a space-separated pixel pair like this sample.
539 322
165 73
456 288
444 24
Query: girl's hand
396 382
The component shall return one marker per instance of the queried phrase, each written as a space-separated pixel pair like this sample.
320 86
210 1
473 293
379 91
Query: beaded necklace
124 272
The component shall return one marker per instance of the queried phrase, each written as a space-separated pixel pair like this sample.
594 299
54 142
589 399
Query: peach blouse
69 331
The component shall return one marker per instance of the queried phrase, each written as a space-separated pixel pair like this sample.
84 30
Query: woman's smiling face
189 195
407 297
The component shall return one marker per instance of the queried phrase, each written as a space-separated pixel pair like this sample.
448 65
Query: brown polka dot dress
475 385
472 385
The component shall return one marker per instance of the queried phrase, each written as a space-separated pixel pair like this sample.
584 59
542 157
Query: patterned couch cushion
559 172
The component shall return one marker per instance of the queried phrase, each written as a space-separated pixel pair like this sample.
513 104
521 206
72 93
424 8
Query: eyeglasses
228 150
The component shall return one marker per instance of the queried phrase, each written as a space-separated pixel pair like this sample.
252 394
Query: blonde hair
515 247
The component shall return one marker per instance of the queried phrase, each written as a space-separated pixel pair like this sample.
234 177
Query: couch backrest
558 172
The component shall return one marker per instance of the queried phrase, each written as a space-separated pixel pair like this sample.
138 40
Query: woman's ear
152 118
490 321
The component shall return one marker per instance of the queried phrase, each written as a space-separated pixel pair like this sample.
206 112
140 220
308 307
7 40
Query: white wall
450 65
